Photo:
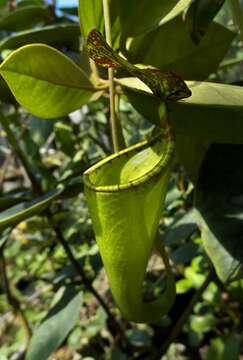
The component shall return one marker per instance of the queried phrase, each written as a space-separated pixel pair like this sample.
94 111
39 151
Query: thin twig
178 326
116 130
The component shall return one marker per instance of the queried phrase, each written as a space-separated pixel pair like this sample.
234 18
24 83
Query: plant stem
37 188
116 130
237 14
178 326
12 300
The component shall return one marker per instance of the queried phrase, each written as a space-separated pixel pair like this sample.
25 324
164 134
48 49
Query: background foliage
54 296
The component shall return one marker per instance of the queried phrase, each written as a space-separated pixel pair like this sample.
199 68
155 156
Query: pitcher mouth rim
158 169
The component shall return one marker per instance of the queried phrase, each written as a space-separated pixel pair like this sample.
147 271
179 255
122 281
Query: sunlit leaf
205 115
45 82
138 17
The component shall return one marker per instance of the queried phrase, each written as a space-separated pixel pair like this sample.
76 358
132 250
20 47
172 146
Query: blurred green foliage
40 290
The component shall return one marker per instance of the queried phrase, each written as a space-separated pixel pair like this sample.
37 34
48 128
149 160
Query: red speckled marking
100 51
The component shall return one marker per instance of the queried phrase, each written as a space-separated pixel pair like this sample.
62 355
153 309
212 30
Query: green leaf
211 104
22 211
24 18
199 16
181 229
45 82
191 152
55 327
218 199
192 62
90 16
62 34
185 253
134 14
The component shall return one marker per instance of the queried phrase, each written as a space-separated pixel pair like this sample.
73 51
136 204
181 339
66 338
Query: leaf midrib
87 88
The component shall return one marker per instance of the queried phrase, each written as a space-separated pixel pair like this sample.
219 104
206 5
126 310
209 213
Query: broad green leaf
191 152
125 194
24 18
90 16
140 16
218 199
45 82
205 115
61 34
199 16
56 326
170 47
22 211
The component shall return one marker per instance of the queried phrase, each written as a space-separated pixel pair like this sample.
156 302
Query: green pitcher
125 193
